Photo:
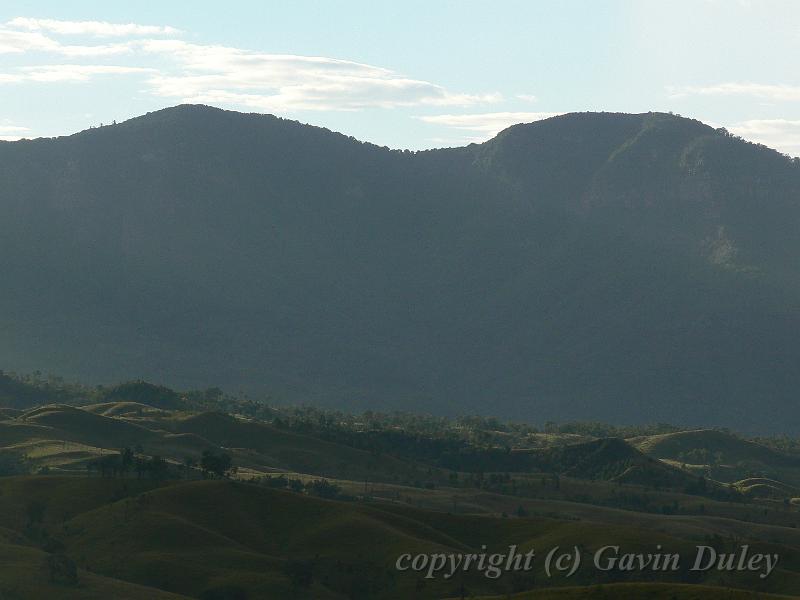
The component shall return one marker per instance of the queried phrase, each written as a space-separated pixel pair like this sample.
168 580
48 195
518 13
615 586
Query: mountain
617 267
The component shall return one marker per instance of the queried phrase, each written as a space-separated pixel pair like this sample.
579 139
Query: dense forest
595 266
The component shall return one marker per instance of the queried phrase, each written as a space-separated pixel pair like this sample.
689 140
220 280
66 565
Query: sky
404 74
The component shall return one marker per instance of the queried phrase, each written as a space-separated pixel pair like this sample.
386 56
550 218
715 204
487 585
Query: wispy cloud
21 42
526 97
486 124
67 73
55 73
778 92
291 82
92 28
216 74
781 134
11 133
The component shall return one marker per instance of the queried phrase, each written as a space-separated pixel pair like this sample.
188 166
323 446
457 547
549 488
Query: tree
157 467
108 466
35 512
226 592
281 482
145 393
219 465
12 463
323 488
188 464
60 569
126 460
300 573
140 464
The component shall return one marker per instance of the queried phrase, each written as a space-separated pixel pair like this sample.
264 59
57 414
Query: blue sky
403 74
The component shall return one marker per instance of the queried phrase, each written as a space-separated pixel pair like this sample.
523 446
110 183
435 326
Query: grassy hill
727 458
23 576
610 459
124 409
67 437
76 424
292 451
322 506
731 448
192 537
639 591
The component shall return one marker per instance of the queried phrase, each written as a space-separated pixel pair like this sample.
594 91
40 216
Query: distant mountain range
617 267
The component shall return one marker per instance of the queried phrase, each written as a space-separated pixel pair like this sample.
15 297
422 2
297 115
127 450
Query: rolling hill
609 459
752 467
195 539
728 447
321 506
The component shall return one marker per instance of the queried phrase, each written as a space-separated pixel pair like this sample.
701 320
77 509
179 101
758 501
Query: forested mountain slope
605 266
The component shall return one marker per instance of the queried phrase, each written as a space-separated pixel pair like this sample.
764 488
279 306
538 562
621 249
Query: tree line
211 465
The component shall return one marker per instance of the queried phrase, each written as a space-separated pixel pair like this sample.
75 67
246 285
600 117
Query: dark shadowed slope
609 266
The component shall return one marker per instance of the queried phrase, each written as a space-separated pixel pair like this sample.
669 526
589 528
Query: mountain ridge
591 265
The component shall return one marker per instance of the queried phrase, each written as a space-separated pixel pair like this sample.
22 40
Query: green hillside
321 505
638 591
194 537
752 467
23 577
729 447
86 426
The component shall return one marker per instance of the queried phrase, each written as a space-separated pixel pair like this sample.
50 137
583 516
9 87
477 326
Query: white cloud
781 134
779 92
281 82
92 28
101 50
486 124
50 73
12 133
67 73
218 74
527 97
439 142
5 129
20 42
